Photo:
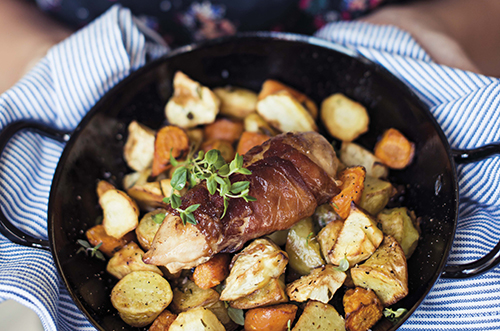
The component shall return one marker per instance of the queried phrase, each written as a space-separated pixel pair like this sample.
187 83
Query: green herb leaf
166 200
394 316
173 161
224 170
309 237
158 218
183 218
175 201
239 161
220 162
212 156
236 315
212 184
239 187
192 208
244 171
179 178
190 219
343 265
226 204
84 243
334 205
249 198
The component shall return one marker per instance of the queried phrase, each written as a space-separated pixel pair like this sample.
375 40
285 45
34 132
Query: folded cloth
76 73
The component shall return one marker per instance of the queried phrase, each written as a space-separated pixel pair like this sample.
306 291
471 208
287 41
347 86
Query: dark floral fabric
184 21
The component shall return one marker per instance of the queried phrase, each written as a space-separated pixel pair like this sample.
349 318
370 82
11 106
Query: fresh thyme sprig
88 249
212 168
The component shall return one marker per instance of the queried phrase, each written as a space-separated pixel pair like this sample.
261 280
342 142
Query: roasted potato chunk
163 321
136 178
148 196
274 318
327 237
140 146
376 195
109 245
129 259
257 124
398 223
320 285
325 214
278 237
192 104
362 309
188 295
321 317
212 272
103 186
140 297
271 294
282 111
236 102
197 319
120 213
253 268
343 118
357 240
352 154
385 272
147 228
302 247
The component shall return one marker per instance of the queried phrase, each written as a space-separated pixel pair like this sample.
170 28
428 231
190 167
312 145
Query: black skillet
311 65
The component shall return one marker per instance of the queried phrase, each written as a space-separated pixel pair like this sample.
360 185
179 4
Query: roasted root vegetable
398 223
167 190
225 148
249 140
394 149
352 154
353 179
127 260
148 196
170 141
362 309
197 319
140 297
278 237
224 129
256 123
139 148
192 104
325 214
253 268
120 213
212 272
328 236
103 186
320 285
274 318
376 194
302 247
271 86
271 294
385 272
163 321
357 240
236 102
282 111
147 228
188 295
136 178
319 316
109 245
344 118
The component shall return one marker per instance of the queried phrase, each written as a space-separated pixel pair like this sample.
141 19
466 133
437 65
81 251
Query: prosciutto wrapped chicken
291 175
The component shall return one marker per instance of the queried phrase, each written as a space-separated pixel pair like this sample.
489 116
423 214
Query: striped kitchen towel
76 73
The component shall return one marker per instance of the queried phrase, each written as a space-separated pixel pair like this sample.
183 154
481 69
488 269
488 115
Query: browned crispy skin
291 175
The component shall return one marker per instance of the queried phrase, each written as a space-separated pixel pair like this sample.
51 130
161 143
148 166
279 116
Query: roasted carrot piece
394 149
168 139
362 309
212 272
225 148
249 140
110 245
272 86
163 321
273 318
224 129
353 179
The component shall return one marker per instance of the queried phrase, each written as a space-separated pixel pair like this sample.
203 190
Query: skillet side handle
491 259
8 229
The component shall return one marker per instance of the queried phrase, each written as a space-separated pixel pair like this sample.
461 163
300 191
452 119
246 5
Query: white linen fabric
63 87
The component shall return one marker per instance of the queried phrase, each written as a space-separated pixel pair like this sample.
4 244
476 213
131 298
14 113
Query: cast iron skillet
317 68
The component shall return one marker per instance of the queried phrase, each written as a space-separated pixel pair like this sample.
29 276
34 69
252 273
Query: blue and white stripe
79 71
467 106
59 91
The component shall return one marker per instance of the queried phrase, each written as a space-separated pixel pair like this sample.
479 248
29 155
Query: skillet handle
8 229
491 259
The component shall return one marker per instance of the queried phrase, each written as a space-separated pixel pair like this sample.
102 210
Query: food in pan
252 219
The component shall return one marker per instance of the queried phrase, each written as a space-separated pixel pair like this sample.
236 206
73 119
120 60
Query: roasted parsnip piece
256 123
328 236
320 285
354 155
139 148
188 295
253 268
385 272
271 294
376 195
343 118
192 104
127 260
148 196
120 213
282 111
197 319
140 297
236 102
319 317
398 223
